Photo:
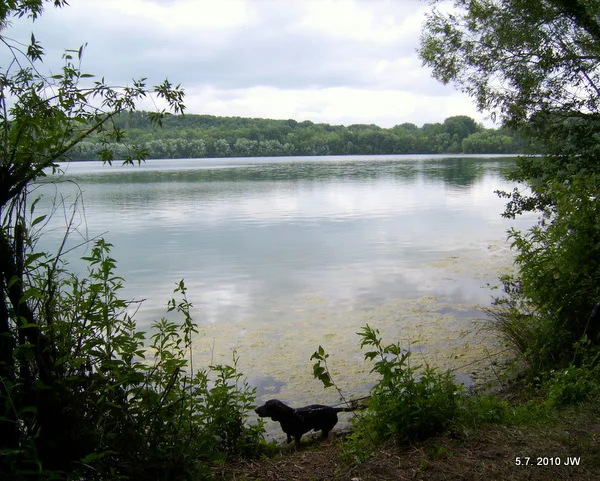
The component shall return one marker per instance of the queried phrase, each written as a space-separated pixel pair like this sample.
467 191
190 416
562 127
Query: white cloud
382 22
336 105
335 61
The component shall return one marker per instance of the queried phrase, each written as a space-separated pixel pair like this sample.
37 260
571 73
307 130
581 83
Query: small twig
353 402
477 361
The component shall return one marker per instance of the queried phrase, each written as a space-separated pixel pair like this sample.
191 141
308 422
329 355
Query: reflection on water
453 171
266 386
281 255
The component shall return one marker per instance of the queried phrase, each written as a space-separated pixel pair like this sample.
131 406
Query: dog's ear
276 412
275 409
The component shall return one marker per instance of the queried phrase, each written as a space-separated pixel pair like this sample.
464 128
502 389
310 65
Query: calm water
283 254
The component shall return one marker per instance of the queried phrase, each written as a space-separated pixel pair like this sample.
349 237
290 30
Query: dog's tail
353 405
346 409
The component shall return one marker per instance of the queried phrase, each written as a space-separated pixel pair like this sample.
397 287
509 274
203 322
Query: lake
281 255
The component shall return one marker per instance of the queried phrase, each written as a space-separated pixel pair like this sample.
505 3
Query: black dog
296 422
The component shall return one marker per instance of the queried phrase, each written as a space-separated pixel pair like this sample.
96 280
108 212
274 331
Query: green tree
460 127
488 142
407 126
222 148
255 137
534 65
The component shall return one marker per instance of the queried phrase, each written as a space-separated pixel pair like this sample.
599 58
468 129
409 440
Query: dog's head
273 409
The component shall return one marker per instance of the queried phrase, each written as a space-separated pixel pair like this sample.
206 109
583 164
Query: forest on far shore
196 136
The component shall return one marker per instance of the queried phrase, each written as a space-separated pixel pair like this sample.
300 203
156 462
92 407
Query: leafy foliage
111 412
413 403
543 55
209 136
535 66
320 370
408 403
572 385
77 396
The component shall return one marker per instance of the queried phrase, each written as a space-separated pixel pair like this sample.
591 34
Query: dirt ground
545 452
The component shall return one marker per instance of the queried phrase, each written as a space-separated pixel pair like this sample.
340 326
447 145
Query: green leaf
31 258
29 294
37 220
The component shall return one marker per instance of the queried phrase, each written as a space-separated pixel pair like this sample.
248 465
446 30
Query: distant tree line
195 136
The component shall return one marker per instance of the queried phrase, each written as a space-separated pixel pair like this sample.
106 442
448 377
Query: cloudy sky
334 61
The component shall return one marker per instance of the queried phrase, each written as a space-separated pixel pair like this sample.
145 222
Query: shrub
548 304
408 403
575 383
541 340
104 410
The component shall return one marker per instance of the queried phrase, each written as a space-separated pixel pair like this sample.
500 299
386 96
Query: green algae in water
275 351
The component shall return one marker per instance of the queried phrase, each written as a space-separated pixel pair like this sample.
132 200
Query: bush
408 403
559 259
105 411
548 305
540 340
571 385
575 383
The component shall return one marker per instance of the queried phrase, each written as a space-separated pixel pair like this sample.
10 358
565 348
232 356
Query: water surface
282 255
